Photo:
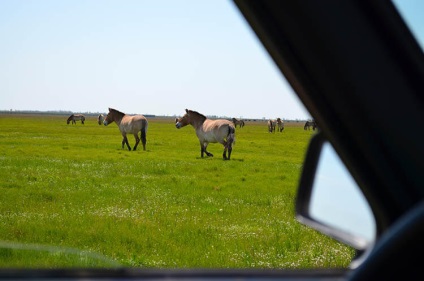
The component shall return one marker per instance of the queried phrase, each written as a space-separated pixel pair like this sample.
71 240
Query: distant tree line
67 112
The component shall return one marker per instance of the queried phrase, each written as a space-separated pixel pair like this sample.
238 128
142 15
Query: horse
271 125
100 119
239 122
309 124
209 131
128 124
280 124
74 118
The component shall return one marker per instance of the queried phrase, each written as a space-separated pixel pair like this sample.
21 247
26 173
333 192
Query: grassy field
71 196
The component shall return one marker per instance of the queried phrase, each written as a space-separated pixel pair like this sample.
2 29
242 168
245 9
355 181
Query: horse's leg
230 149
137 140
203 146
125 141
207 152
228 143
224 155
228 146
202 149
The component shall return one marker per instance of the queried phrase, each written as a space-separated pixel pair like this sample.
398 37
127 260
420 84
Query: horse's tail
231 136
144 126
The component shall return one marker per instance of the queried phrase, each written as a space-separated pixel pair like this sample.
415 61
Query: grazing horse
74 119
309 124
209 131
239 122
128 124
280 124
100 119
271 125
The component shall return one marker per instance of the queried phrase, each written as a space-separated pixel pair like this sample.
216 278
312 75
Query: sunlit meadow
71 196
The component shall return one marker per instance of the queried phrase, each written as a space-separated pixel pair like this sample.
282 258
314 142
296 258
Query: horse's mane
196 113
116 111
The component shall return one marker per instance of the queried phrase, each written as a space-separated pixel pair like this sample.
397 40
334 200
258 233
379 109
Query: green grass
70 194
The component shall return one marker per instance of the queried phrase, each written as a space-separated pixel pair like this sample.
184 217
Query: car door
359 71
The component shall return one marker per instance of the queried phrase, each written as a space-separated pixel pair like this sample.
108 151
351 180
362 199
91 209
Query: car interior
353 65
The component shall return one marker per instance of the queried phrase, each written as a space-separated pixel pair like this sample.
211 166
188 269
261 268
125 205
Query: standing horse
74 117
239 122
280 124
271 125
100 119
209 131
309 124
128 124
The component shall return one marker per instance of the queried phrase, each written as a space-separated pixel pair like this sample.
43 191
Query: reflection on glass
337 201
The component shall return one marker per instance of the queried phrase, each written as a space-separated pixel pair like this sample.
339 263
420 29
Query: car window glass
337 201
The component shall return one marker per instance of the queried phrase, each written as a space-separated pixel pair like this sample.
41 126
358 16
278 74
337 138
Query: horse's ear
186 110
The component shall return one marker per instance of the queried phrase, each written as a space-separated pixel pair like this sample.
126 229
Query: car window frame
327 68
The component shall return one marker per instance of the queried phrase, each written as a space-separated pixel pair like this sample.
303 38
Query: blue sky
412 12
148 57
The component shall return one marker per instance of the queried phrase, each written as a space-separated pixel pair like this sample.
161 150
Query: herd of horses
275 123
207 130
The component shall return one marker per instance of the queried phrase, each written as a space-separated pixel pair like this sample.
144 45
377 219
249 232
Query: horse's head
182 121
191 117
113 116
69 119
108 119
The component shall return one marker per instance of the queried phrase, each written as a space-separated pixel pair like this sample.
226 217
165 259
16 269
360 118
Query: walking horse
209 131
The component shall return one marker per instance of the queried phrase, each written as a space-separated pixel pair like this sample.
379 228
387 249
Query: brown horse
128 124
74 118
239 122
280 124
209 131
